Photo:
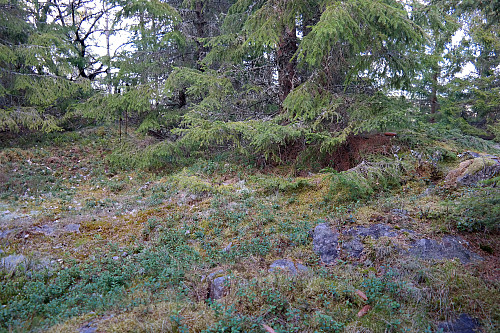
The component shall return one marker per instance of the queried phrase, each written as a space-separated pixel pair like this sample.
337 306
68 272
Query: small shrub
478 210
284 185
364 180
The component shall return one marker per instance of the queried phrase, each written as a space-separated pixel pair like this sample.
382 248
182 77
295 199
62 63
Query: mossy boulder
471 172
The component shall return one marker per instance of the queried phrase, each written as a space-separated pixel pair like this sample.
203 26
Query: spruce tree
353 51
472 102
36 76
438 63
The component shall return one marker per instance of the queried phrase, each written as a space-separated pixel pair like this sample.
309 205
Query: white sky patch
457 37
468 70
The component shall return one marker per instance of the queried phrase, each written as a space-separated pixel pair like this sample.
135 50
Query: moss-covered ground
146 240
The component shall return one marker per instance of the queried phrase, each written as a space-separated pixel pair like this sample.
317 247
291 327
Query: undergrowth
220 214
366 179
477 210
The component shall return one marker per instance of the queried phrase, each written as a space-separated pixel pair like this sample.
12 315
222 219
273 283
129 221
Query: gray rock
47 230
228 247
463 324
354 248
428 191
72 227
400 212
375 231
483 174
8 216
87 329
7 232
285 265
219 287
450 247
301 268
325 243
469 154
217 284
10 263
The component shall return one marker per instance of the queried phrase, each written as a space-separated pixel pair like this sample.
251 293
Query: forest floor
392 245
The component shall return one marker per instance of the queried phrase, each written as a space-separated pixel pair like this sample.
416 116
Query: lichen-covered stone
463 324
287 266
217 284
354 248
376 231
218 287
325 243
11 262
449 248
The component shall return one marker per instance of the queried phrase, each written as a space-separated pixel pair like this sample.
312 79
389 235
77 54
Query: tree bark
433 97
286 65
199 24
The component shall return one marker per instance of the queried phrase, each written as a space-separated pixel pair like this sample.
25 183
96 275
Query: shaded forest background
249 166
275 81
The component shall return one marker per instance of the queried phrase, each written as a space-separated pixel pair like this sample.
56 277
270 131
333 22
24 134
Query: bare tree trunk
199 24
182 98
126 123
286 66
433 97
108 53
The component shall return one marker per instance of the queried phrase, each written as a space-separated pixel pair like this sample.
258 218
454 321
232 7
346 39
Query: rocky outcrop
488 172
450 247
287 266
354 248
375 231
472 171
10 263
353 237
463 324
325 243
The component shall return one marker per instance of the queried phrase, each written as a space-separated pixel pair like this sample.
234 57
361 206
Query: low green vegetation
168 166
148 240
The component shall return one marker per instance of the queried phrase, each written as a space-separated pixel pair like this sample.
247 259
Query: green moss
480 163
363 181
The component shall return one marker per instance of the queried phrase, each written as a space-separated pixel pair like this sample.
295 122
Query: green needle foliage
36 82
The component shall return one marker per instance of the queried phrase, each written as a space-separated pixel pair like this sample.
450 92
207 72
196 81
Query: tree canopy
254 74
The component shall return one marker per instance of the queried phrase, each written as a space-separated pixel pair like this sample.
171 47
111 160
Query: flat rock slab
7 232
354 248
400 212
376 231
10 263
325 243
47 230
288 266
72 227
7 216
449 248
463 324
87 329
353 244
54 230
